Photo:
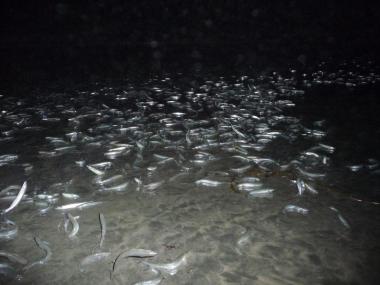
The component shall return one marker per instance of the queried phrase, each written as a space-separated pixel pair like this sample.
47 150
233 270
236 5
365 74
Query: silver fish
343 221
355 168
8 229
17 200
153 186
327 148
96 257
110 180
240 134
243 240
241 169
310 188
249 179
80 163
44 246
79 205
94 170
341 218
135 252
311 153
75 225
7 158
102 165
300 186
160 157
169 268
310 174
261 193
249 186
70 206
188 140
65 148
117 188
47 153
242 158
113 154
295 209
103 226
70 196
208 183
139 183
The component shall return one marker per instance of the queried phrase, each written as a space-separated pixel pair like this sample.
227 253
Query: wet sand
198 144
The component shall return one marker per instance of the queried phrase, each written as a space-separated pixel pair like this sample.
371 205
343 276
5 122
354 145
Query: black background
49 40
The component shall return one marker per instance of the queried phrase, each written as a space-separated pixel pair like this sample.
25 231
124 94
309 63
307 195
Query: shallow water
183 149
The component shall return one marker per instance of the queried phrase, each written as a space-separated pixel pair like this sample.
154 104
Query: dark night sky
91 36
